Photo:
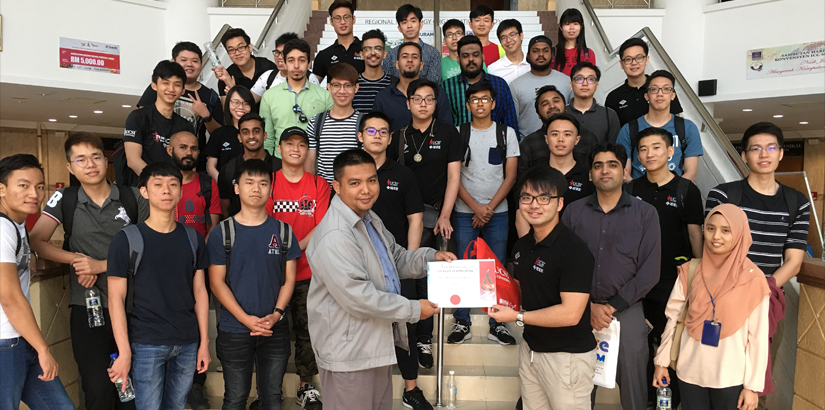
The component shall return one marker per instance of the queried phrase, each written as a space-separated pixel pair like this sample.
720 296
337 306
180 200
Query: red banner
89 55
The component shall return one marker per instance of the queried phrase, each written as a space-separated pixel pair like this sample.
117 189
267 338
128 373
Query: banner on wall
89 55
796 59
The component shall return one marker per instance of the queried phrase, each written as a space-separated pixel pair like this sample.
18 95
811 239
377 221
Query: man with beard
393 99
373 79
549 101
540 53
272 78
199 206
471 59
410 23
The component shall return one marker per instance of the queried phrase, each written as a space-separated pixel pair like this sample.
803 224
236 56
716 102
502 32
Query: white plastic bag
607 355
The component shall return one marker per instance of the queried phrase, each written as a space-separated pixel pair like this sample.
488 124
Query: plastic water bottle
93 309
663 395
453 391
129 394
213 56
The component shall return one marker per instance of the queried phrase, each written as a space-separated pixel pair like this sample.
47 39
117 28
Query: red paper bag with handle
507 292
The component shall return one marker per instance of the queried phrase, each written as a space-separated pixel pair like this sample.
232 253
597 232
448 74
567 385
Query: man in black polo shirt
628 100
554 269
599 124
346 48
245 68
533 148
678 203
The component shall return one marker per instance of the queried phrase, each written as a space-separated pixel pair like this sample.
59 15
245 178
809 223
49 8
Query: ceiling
794 109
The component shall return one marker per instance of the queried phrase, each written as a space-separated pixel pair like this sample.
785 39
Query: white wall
621 24
251 20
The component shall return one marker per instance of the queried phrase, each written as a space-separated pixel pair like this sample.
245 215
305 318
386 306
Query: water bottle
213 56
93 309
129 394
663 395
453 391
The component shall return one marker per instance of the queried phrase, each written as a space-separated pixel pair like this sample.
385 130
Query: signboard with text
89 55
796 59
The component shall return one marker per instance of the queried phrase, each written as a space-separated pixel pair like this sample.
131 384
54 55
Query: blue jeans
493 232
162 375
238 352
19 369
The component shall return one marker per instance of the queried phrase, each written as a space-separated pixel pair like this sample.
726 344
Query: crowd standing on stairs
322 206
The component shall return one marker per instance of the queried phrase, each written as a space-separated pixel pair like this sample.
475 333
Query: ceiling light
73 116
52 120
778 116
803 122
747 109
126 106
98 112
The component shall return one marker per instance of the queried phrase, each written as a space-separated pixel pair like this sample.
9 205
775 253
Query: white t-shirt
485 173
8 243
260 86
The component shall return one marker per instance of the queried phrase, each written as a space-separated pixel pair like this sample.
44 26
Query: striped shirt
505 111
367 90
337 136
768 218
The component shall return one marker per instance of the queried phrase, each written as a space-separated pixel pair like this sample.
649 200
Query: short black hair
543 179
667 137
232 33
186 46
508 24
404 11
82 137
451 23
348 158
166 69
337 4
245 95
658 74
253 167
467 40
160 169
421 82
17 162
482 10
585 64
616 149
565 117
632 42
546 89
374 34
480 86
284 38
763 128
373 115
409 44
251 116
296 44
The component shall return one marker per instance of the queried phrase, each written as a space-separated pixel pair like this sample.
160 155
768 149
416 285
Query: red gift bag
507 292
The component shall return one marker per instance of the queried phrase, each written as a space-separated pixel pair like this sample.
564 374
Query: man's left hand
445 256
502 314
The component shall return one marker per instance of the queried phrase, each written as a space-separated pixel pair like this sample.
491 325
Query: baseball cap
540 39
289 132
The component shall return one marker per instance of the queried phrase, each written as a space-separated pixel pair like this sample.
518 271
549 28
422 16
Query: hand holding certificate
462 283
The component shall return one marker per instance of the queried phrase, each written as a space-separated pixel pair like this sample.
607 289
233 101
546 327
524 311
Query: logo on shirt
623 104
392 185
335 58
54 199
161 139
121 214
671 201
515 258
226 144
575 186
539 265
274 247
129 133
355 56
306 206
435 144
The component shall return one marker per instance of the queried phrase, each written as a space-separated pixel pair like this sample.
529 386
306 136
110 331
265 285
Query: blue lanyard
713 316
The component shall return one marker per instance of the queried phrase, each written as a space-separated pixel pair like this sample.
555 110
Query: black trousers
408 361
704 398
655 314
424 328
91 348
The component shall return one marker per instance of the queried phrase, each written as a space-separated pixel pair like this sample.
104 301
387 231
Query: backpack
136 254
68 205
206 193
501 143
735 189
271 79
228 228
320 118
679 122
17 232
234 202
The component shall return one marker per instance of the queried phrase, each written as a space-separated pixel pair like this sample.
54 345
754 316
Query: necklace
418 157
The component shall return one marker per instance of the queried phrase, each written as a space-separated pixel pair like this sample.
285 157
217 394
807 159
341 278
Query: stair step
289 404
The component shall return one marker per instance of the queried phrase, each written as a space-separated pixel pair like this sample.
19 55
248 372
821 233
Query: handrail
217 41
599 29
270 22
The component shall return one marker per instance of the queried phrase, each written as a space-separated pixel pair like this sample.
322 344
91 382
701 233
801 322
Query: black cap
540 39
289 132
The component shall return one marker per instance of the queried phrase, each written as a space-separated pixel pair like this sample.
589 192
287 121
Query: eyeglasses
417 99
655 90
456 34
581 80
301 117
277 53
368 50
238 103
526 199
639 58
337 86
511 36
483 100
372 131
345 17
83 161
758 150
240 49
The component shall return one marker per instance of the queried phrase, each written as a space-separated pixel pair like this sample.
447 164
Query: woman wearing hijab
724 346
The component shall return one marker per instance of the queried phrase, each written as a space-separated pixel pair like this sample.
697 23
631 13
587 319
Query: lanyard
713 317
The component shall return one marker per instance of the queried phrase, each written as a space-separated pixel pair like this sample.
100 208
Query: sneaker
425 355
501 335
459 332
196 398
414 399
308 397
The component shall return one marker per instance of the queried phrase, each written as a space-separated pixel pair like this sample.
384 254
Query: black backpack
501 143
16 232
320 118
68 205
206 193
228 228
735 189
230 167
271 79
678 122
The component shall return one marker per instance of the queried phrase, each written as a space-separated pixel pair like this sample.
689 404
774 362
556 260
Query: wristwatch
281 312
520 319
207 120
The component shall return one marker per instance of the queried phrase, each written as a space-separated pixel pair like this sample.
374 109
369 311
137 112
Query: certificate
462 283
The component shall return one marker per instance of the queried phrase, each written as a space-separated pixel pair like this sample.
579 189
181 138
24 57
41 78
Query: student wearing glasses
514 63
346 48
223 143
599 124
294 102
246 68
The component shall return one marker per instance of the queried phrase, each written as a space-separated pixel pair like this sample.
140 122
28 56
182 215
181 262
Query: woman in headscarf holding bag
723 351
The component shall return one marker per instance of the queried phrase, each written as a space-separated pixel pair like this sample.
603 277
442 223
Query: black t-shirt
154 139
262 65
224 145
336 53
438 150
673 222
629 103
164 302
578 183
561 262
398 198
226 180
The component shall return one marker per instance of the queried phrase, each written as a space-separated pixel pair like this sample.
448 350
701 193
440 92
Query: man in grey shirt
599 124
623 234
523 88
410 25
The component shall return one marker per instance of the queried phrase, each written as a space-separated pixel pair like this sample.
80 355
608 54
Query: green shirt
450 68
277 109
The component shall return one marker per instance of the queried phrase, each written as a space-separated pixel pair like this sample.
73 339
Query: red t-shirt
190 209
302 205
570 59
492 52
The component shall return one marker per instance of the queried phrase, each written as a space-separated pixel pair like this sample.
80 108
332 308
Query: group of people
273 196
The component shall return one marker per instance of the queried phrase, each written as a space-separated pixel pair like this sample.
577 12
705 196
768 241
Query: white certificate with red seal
465 283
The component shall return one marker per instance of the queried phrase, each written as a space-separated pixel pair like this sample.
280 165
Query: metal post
437 26
439 369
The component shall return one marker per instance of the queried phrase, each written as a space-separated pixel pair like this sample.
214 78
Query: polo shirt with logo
336 53
629 102
262 65
399 198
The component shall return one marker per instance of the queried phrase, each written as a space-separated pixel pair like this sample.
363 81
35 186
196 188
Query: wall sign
89 55
796 59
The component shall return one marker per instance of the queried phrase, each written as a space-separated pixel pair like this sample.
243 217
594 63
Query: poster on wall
796 59
89 55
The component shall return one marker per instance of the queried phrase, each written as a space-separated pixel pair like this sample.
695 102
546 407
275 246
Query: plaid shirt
505 111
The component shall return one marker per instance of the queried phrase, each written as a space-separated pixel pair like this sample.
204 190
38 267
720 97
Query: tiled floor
289 404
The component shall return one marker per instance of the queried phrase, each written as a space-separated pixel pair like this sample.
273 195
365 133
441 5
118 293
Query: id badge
711 332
